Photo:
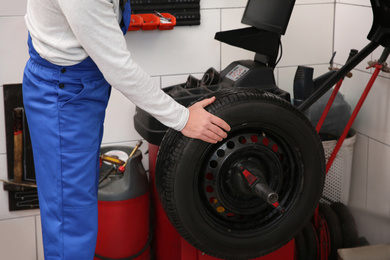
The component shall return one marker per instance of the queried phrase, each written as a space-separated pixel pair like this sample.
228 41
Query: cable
281 52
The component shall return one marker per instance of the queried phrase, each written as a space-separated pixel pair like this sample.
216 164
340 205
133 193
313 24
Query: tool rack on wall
187 12
22 191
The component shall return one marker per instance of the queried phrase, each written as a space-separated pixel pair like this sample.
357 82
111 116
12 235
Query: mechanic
77 52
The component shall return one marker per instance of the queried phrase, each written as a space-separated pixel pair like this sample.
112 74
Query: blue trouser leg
65 111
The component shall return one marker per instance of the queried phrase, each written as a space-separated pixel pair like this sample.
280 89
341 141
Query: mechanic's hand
203 125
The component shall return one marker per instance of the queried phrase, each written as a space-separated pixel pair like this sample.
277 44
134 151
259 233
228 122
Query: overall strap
126 15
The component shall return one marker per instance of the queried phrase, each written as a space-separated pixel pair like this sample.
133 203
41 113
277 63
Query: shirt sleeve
95 26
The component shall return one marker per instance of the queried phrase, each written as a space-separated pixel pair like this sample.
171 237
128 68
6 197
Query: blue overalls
65 108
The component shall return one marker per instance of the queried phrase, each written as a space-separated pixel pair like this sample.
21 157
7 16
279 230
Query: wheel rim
225 198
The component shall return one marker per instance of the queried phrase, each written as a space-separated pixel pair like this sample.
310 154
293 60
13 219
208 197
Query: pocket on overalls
67 92
81 115
99 90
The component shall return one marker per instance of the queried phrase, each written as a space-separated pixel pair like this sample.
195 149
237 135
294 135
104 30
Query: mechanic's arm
95 26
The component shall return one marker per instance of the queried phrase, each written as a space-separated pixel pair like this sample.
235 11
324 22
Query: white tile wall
352 25
356 2
222 3
369 196
180 51
285 79
119 125
231 20
18 239
358 187
13 8
374 227
373 118
309 36
242 3
13 53
39 238
297 2
13 48
167 81
378 178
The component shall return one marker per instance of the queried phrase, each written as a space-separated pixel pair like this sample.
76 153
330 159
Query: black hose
105 175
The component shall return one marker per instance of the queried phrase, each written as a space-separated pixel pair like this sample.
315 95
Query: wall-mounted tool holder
187 12
147 22
21 175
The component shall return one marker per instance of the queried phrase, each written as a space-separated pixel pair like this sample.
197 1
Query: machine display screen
270 15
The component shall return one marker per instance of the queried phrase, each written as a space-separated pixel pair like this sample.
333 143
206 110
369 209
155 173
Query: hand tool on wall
12 185
18 144
26 199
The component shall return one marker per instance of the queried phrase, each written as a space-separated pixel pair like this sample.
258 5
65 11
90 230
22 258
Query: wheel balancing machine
249 195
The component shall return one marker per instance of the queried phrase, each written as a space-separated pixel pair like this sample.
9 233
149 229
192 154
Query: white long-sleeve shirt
65 32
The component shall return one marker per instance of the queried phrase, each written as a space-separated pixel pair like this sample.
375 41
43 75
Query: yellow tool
111 159
123 167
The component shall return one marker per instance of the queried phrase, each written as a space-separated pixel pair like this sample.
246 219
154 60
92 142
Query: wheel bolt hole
230 215
230 145
221 153
209 189
213 200
213 164
220 209
242 140
210 176
254 138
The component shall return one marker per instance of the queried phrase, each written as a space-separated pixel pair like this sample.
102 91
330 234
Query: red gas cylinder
124 209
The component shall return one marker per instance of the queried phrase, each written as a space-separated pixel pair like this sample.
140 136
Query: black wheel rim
226 200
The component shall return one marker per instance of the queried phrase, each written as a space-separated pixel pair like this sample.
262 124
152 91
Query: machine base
169 245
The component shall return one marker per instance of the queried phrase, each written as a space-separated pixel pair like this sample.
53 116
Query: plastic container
151 22
338 178
136 23
167 25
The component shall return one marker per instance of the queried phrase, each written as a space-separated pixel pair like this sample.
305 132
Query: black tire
306 243
348 225
335 229
212 208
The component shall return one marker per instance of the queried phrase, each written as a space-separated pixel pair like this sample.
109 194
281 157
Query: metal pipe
378 68
351 64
